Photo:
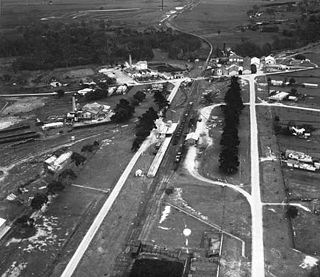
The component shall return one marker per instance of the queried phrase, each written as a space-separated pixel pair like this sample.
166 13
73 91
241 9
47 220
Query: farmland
137 14
212 21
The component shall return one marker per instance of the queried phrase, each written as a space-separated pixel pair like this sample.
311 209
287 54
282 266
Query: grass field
138 13
210 17
312 98
280 184
280 258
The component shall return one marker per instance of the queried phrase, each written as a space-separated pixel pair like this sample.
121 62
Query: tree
54 187
123 111
293 91
90 147
300 57
38 201
144 127
292 81
139 95
228 157
78 159
160 100
60 93
291 212
24 221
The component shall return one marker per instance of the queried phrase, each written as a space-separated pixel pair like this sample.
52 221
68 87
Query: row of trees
144 127
47 46
228 157
160 100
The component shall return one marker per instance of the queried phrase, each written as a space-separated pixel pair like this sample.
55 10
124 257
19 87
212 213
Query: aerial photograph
159 138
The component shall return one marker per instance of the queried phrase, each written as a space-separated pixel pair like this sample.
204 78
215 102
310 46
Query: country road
257 266
73 263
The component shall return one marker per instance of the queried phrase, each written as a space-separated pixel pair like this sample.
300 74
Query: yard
280 184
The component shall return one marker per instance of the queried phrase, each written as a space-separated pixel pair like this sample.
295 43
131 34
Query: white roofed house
233 70
141 65
95 110
55 164
279 96
4 228
234 58
269 60
255 61
84 91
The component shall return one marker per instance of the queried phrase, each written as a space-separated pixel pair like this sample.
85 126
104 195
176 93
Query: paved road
257 266
73 263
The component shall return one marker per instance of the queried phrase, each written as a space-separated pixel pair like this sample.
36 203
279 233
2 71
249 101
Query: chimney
130 60
74 106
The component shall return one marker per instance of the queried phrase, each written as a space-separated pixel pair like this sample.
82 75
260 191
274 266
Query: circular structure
187 232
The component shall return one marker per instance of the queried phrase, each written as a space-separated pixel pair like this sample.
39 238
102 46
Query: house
4 228
121 89
111 90
299 156
95 110
234 58
233 70
269 60
219 71
141 65
276 82
2 223
55 84
255 61
55 164
84 91
279 96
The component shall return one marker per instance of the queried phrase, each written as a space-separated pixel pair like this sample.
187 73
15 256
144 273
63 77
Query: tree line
228 158
47 46
144 127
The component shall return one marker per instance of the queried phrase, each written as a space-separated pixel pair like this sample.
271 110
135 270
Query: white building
52 125
55 164
310 85
299 156
141 65
255 61
269 60
84 91
234 58
276 82
279 96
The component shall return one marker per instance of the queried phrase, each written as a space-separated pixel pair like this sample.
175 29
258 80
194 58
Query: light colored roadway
257 266
73 263
288 106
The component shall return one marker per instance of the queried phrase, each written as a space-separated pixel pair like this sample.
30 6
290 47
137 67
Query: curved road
169 24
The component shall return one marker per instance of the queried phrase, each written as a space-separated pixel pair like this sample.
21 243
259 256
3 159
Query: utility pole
161 5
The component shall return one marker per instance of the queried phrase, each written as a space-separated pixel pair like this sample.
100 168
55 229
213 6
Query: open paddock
137 13
280 258
306 229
